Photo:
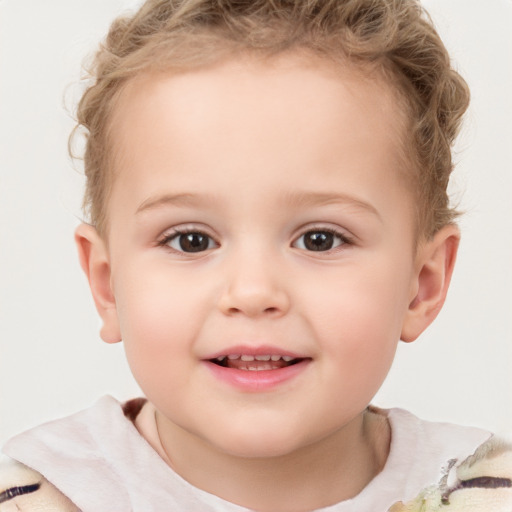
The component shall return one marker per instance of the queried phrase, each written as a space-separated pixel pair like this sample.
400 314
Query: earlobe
95 263
434 267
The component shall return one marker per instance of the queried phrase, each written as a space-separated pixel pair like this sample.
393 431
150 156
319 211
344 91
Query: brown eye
190 242
319 240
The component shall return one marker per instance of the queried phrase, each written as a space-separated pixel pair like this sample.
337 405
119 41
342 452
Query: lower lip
257 381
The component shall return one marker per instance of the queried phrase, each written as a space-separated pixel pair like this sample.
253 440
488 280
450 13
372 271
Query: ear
95 262
435 261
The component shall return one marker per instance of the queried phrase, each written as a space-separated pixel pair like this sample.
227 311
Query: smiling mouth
256 363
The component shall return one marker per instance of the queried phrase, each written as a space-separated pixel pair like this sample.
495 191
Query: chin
262 442
259 450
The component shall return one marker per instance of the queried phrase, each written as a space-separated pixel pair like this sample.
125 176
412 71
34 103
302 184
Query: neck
331 470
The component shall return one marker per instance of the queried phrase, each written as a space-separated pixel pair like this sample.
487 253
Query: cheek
360 320
159 318
362 339
153 303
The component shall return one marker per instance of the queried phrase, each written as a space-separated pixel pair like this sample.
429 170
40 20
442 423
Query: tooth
247 358
232 357
287 359
254 368
262 358
221 358
275 358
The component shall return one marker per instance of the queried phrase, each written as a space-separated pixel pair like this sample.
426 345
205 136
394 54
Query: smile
263 370
256 363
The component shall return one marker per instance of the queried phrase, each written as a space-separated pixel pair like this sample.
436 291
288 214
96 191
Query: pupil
319 241
193 242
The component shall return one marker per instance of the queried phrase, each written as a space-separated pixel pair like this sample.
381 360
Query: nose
254 287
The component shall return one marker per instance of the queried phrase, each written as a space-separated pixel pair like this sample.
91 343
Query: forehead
259 81
286 113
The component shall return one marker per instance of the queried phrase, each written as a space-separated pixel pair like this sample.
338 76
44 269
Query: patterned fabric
480 483
25 490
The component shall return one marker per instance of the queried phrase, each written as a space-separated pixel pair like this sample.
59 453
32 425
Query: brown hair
395 36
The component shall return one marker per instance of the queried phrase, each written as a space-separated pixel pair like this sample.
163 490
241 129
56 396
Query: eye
320 240
189 241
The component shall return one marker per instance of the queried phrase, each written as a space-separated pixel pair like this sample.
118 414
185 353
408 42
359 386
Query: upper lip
260 350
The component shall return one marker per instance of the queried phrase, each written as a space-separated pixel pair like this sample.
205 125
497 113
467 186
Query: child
266 186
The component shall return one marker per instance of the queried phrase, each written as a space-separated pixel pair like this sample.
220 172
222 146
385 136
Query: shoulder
75 454
420 450
433 440
25 490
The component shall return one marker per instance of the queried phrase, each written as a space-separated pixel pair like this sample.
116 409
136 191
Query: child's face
259 210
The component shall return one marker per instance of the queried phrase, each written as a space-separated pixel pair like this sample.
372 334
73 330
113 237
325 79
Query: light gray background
52 361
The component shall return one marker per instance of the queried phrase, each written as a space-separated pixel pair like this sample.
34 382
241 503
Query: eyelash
176 233
343 237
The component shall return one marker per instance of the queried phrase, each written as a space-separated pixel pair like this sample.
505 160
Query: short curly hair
396 37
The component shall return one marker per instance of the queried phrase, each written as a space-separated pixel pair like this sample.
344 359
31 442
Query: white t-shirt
100 461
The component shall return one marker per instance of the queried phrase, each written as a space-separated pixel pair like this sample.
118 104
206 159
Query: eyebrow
168 199
293 199
310 199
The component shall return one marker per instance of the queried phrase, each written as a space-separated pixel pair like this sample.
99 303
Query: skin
259 156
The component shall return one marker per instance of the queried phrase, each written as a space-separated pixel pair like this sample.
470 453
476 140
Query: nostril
253 301
253 311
